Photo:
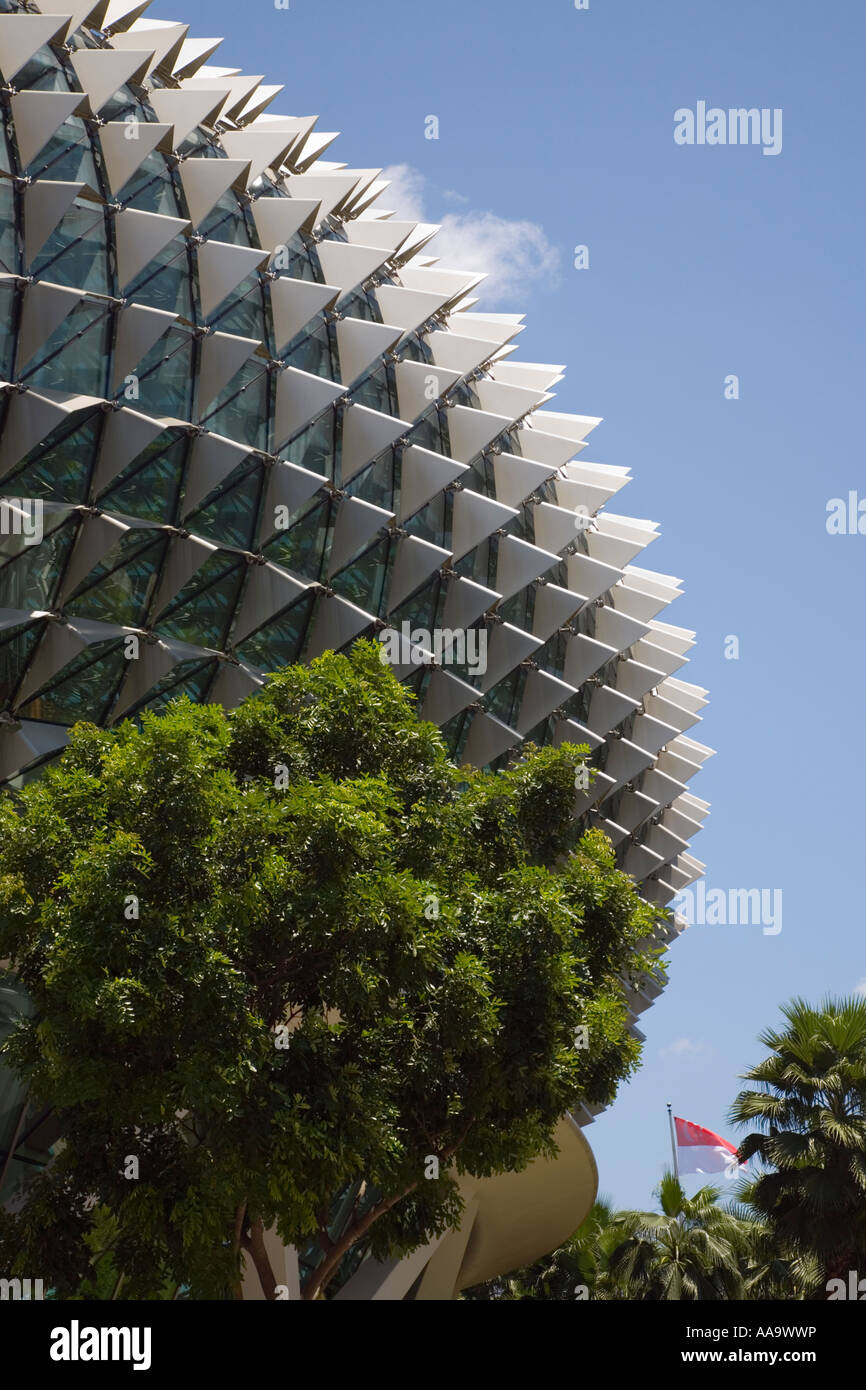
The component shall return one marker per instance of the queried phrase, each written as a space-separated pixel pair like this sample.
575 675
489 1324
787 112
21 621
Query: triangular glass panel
67 157
280 642
75 357
7 310
16 647
85 688
314 350
152 189
191 678
9 252
30 574
119 589
149 487
375 484
57 470
242 411
42 72
363 580
301 548
166 376
314 447
243 313
375 393
225 222
203 610
76 252
419 610
166 282
229 516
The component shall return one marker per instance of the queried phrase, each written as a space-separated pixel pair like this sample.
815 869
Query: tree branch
321 1277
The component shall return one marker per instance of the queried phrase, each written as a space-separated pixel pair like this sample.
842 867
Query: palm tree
692 1249
768 1271
581 1268
809 1118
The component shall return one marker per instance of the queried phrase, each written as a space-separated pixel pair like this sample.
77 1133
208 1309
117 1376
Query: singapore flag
701 1151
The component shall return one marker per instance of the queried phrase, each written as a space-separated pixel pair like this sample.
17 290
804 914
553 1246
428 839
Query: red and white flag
701 1151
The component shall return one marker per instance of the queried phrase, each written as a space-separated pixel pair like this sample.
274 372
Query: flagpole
674 1145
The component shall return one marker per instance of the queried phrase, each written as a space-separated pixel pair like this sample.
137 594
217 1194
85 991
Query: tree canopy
280 958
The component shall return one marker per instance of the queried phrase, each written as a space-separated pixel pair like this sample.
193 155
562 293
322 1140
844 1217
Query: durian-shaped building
247 416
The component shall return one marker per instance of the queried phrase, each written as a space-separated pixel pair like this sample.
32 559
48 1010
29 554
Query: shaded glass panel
76 252
240 311
150 189
67 157
30 580
480 563
429 523
190 678
314 448
374 392
503 701
419 610
302 547
361 304
75 357
16 647
244 315
225 222
58 469
280 642
375 483
202 612
311 352
42 73
431 432
119 589
362 581
230 516
244 415
149 487
8 311
165 282
293 259
166 376
9 258
121 103
83 689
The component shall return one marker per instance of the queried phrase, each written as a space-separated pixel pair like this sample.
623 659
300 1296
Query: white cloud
682 1047
405 197
860 987
513 254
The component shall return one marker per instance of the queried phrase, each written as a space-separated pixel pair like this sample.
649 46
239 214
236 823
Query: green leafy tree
807 1113
279 959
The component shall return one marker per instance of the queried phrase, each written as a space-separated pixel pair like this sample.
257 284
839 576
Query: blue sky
704 262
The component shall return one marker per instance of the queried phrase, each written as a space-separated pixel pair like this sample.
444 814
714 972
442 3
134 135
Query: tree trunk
237 1237
254 1242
